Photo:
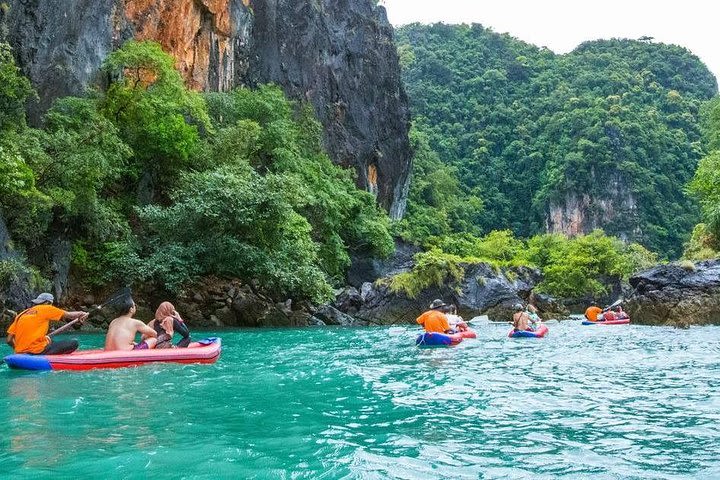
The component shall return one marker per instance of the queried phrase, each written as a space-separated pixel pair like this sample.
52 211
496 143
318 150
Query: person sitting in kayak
456 322
434 320
521 320
168 321
620 313
592 313
28 332
532 313
122 330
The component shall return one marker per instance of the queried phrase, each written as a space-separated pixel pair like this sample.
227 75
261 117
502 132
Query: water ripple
626 402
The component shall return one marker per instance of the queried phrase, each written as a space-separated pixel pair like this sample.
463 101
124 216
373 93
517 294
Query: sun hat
437 303
44 298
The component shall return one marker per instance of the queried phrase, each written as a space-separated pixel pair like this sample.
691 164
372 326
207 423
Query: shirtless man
122 331
521 320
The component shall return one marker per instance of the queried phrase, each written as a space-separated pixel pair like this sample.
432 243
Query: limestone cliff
612 207
336 54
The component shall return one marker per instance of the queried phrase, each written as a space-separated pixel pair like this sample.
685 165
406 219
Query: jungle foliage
152 182
705 185
571 267
524 131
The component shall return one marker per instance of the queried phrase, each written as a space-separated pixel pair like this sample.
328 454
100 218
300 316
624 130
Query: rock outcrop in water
676 294
483 290
338 55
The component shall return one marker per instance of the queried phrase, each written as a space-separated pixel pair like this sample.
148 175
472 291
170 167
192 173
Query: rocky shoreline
678 294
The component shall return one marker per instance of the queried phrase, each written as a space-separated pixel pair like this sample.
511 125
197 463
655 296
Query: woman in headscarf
168 321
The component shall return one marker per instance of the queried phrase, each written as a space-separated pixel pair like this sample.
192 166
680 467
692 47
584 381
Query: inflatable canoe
438 340
539 333
204 351
623 321
469 333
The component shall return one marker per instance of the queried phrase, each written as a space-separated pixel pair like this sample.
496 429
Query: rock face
15 283
613 207
15 290
336 54
340 55
368 269
483 291
676 294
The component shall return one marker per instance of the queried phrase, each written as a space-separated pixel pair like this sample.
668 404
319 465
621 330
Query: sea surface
610 402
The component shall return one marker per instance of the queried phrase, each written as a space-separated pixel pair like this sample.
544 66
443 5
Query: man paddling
29 331
434 320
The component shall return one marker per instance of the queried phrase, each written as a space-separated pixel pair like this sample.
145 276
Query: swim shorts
141 346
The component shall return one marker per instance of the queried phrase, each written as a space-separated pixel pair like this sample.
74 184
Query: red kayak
468 334
204 351
541 331
622 321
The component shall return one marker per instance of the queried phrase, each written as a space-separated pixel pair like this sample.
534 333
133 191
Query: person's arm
73 315
145 330
181 328
10 340
150 324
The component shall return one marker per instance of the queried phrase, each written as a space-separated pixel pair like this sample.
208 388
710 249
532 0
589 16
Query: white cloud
561 25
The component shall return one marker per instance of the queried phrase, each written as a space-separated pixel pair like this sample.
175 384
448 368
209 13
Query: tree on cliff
15 90
158 117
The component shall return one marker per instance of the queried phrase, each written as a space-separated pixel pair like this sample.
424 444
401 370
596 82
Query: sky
561 25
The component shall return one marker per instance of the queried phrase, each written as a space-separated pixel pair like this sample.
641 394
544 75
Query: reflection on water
606 402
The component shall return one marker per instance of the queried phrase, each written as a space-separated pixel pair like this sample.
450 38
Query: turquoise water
600 402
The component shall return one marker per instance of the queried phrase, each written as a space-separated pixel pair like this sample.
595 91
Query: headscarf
166 309
165 315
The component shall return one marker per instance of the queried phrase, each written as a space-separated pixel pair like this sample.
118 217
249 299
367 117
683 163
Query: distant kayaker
620 313
29 331
434 320
532 313
455 321
121 332
521 320
168 321
592 313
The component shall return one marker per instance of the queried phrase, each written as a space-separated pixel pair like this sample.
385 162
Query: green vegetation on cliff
571 267
151 182
704 242
609 131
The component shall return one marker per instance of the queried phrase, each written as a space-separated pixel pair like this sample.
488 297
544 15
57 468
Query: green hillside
610 130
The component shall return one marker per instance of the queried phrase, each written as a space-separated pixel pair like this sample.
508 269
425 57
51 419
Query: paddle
120 294
479 318
613 305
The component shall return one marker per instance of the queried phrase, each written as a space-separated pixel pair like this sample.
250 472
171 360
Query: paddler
434 320
592 313
122 331
521 319
29 331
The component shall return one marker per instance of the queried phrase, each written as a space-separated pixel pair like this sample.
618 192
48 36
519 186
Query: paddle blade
116 297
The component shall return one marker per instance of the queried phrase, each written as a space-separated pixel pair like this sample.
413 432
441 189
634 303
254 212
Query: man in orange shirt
434 320
592 313
28 332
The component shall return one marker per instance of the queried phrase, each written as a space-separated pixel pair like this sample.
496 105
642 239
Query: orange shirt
592 313
434 321
31 327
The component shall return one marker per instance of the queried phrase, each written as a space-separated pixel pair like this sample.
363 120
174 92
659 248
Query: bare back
122 331
521 321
